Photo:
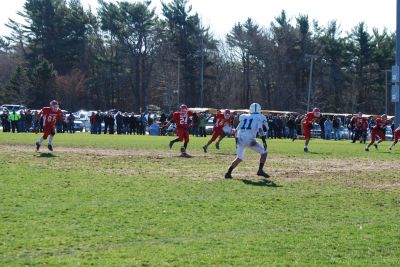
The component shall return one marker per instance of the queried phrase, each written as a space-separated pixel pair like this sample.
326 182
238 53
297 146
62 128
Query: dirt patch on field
331 165
355 172
103 152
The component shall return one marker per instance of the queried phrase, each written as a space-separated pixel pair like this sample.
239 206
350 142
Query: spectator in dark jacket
132 124
195 124
5 122
291 124
70 123
120 122
92 120
109 123
98 120
28 120
126 121
336 127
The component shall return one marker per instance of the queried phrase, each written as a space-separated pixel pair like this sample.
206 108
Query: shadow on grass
46 155
263 182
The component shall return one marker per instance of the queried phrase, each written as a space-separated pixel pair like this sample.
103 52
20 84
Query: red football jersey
221 121
182 119
397 132
379 123
50 117
360 123
309 118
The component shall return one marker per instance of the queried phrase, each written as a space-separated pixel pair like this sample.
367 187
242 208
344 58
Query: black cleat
262 173
367 149
185 155
50 147
183 150
217 146
228 175
170 144
305 149
205 149
37 146
376 146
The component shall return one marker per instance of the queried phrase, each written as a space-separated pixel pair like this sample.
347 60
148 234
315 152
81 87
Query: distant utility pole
395 69
386 90
312 57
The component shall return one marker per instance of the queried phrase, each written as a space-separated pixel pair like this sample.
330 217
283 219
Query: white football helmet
255 108
54 105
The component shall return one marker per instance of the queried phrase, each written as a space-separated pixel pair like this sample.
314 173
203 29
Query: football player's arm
36 121
170 122
39 115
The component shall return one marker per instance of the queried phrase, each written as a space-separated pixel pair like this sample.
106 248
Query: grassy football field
130 201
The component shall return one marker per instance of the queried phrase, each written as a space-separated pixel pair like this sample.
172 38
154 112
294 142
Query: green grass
129 201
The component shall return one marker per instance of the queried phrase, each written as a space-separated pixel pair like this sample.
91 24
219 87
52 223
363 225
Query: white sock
51 139
40 140
305 146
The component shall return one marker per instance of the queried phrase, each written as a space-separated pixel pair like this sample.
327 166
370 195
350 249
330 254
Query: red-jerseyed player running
221 120
396 137
50 116
307 125
182 120
378 130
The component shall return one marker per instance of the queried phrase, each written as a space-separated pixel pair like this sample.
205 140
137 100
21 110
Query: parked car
316 131
79 126
83 115
388 133
12 107
210 125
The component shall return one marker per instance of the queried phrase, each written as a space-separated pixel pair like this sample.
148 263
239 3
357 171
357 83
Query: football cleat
217 146
376 146
205 149
50 147
367 149
305 149
37 146
228 175
183 149
262 173
170 144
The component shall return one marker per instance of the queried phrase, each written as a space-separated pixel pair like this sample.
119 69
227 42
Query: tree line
126 56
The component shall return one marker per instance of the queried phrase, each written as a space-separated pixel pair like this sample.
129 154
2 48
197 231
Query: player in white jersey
246 133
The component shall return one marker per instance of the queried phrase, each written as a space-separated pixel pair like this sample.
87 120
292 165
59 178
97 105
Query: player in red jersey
221 120
360 128
396 137
378 130
182 120
50 116
307 124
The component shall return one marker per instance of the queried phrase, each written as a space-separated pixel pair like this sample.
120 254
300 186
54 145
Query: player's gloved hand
36 130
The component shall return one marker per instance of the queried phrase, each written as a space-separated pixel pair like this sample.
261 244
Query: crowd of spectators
17 121
117 122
